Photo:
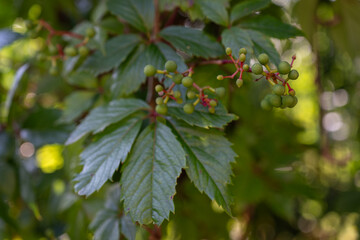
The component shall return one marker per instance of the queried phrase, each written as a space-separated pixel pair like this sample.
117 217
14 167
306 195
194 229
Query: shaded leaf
149 175
236 38
248 7
215 11
82 79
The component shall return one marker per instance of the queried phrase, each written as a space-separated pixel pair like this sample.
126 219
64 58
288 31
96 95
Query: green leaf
201 117
208 155
262 44
169 54
246 8
149 175
271 26
101 117
82 79
138 13
103 157
192 41
215 11
76 104
236 38
116 51
109 223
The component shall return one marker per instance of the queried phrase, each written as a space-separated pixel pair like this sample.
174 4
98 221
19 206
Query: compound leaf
248 7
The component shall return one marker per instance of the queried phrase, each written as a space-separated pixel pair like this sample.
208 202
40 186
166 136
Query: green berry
228 51
213 103
284 67
179 100
220 92
257 68
90 32
278 89
159 88
242 57
52 49
274 100
220 77
161 109
189 108
70 51
293 74
170 66
266 105
83 51
177 78
54 71
177 94
242 51
263 59
287 101
246 67
292 92
239 82
159 100
187 82
295 101
149 70
191 95
211 110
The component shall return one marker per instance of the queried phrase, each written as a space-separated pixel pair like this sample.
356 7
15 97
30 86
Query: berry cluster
194 94
283 95
56 50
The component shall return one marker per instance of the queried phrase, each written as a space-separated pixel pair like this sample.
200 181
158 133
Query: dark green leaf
116 51
82 79
192 41
215 11
208 160
149 175
236 38
248 7
138 13
271 26
7 37
103 157
101 117
201 116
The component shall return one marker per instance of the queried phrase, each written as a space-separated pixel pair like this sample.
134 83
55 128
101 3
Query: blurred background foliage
298 171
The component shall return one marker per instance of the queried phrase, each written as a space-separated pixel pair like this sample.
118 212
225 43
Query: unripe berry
177 78
246 67
293 74
274 100
159 100
265 104
257 68
292 92
284 67
242 57
187 81
220 92
263 59
149 70
278 89
239 82
213 103
189 108
170 66
228 51
287 101
161 109
177 94
295 101
159 88
220 77
242 51
211 110
191 95
179 100
90 32
54 71
83 51
70 51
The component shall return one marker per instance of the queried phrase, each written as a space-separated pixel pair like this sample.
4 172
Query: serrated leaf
76 104
103 157
138 13
262 44
235 38
149 175
192 41
248 7
116 51
215 11
208 155
201 117
82 79
101 117
271 27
